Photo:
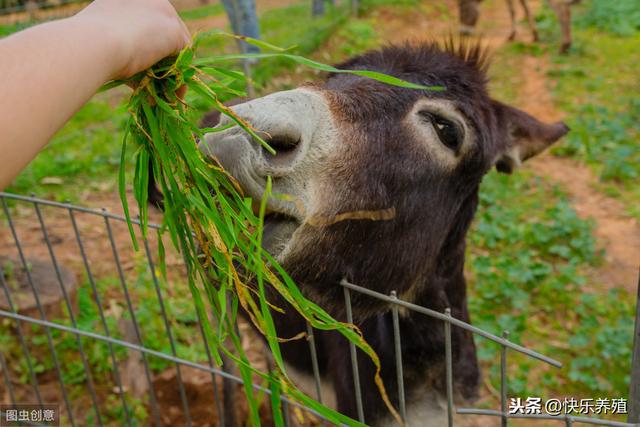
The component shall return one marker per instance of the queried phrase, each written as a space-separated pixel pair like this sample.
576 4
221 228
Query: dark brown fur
421 252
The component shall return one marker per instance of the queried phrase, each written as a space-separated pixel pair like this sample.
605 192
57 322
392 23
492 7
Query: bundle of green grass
212 224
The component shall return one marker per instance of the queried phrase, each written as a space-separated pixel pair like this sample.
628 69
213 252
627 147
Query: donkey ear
525 136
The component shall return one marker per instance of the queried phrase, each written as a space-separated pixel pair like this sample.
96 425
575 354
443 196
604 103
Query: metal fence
122 338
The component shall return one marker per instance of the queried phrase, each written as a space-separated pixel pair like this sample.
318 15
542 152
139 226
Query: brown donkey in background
470 12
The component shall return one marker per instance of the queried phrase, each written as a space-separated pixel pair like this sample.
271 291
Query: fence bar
72 317
354 359
452 320
54 354
23 342
136 328
503 380
584 420
448 366
285 414
103 320
314 365
7 380
138 345
398 351
205 341
98 212
314 361
216 396
634 386
163 312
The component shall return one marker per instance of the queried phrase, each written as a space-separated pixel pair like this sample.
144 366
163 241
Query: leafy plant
620 17
606 137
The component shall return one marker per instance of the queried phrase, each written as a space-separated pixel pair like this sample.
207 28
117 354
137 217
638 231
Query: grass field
202 12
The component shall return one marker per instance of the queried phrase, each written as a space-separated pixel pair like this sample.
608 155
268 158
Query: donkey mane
460 56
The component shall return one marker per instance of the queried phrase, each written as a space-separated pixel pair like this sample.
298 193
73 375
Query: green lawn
202 12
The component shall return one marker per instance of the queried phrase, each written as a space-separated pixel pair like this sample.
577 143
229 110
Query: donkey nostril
281 145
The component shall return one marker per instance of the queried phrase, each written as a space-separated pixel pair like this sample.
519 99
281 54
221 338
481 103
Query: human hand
141 32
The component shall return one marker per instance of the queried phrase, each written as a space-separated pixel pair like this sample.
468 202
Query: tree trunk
244 21
317 7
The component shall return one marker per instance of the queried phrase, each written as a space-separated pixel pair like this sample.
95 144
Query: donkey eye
448 132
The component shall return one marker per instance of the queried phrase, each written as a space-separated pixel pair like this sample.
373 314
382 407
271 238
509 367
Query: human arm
49 71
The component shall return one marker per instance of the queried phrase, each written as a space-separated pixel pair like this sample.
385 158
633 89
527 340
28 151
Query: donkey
469 12
351 144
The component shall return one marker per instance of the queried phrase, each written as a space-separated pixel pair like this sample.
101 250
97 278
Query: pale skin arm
49 71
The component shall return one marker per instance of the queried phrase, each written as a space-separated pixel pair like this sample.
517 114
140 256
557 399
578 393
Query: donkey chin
378 184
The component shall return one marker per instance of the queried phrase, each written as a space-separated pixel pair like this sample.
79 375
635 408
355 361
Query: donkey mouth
277 232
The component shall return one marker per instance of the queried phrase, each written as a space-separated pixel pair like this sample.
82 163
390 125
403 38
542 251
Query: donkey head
376 183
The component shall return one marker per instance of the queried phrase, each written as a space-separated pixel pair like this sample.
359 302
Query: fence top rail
432 313
98 212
